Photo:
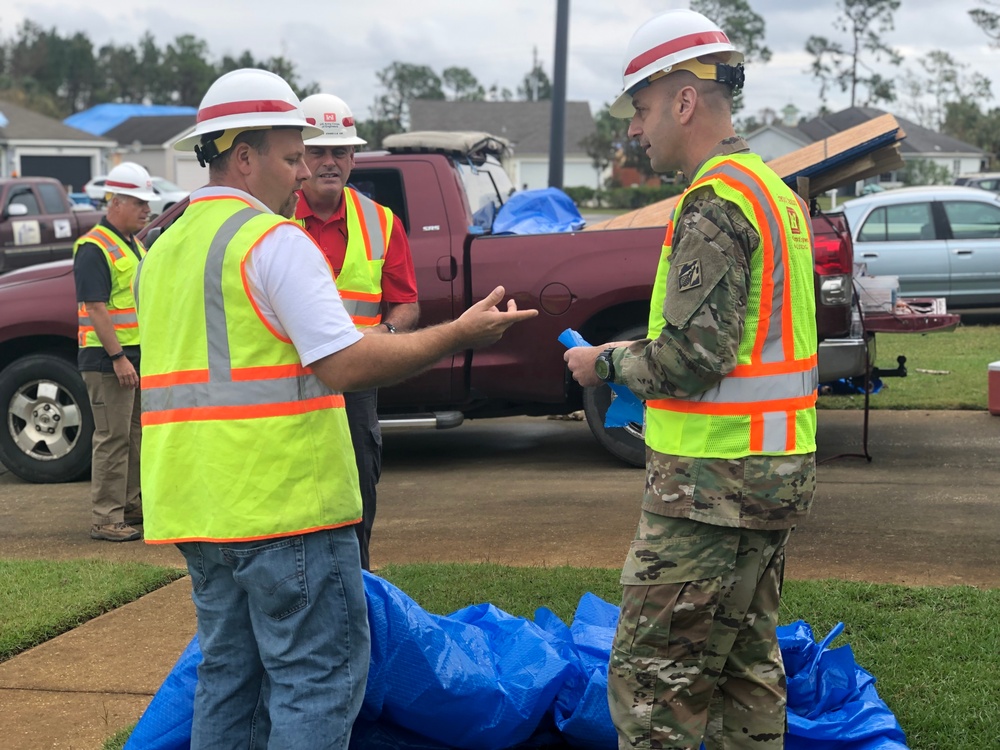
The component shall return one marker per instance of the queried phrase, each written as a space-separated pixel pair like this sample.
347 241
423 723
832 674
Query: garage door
73 171
189 174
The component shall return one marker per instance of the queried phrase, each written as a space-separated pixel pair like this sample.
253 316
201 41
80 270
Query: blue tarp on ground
538 212
483 679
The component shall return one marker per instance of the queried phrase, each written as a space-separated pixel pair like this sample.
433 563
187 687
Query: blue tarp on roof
101 118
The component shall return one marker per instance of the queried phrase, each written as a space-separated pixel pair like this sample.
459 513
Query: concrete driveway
534 491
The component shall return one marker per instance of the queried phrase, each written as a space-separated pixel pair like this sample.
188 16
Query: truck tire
625 443
48 425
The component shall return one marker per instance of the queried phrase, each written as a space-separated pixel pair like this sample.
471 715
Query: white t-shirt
293 288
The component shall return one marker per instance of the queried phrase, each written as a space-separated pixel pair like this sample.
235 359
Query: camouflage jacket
756 492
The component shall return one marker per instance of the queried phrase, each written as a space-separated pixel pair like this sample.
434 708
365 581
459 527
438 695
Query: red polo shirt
399 282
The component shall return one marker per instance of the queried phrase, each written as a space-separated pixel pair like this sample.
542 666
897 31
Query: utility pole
557 136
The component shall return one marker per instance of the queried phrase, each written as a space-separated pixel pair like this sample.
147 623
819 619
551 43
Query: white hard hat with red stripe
665 41
331 114
245 99
129 178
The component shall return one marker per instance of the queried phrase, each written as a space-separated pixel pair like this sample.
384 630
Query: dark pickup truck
596 282
39 223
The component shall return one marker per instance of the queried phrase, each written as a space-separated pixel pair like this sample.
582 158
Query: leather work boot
115 532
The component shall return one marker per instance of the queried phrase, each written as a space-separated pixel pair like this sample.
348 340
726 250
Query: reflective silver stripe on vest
221 390
235 393
135 283
773 350
760 388
358 308
775 431
373 223
116 319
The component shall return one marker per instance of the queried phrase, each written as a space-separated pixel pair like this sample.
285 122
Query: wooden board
863 151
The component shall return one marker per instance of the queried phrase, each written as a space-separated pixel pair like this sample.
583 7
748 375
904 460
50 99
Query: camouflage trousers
695 655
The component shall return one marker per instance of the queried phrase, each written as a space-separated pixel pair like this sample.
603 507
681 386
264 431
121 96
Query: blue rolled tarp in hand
481 678
625 407
541 211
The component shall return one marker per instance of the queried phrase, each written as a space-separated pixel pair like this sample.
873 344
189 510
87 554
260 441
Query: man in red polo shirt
370 256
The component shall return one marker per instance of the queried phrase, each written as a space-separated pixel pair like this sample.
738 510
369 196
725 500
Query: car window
25 197
906 222
53 198
973 221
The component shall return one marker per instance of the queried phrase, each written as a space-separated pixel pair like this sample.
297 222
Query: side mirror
152 236
16 209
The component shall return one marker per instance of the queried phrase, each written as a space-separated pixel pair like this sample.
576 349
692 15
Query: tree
846 66
404 82
742 25
602 145
465 86
497 93
187 70
988 21
925 172
536 85
943 80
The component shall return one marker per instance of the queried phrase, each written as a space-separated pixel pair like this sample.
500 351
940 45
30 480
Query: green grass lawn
957 360
41 599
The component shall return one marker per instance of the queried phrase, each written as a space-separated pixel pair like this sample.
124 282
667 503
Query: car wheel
625 443
48 425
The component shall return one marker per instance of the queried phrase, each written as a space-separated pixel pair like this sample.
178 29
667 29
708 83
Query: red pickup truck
596 282
38 222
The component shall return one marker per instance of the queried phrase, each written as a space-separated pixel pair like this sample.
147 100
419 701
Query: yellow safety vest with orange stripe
369 227
767 404
240 441
121 304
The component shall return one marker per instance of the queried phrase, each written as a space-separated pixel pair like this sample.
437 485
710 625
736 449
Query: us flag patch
689 275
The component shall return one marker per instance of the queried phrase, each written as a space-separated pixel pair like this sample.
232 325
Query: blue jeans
283 629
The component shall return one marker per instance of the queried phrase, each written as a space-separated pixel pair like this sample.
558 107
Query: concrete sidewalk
77 690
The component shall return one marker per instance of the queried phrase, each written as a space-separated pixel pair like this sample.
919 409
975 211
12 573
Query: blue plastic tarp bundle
481 678
538 212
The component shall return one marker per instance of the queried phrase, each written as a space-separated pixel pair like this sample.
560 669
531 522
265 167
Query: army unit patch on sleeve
689 275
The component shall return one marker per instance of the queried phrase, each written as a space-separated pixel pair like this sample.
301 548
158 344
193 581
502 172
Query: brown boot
115 532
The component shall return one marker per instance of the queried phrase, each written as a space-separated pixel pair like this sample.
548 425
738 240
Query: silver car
941 241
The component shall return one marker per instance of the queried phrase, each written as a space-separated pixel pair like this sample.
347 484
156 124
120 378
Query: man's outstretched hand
483 323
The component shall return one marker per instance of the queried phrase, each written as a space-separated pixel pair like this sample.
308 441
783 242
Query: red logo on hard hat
329 117
348 122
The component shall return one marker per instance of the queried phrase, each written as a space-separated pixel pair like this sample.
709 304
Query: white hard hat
244 99
664 41
129 178
333 116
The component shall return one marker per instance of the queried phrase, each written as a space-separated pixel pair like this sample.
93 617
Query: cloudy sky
341 45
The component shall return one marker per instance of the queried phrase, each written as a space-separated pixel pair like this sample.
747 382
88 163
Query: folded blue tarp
538 212
482 679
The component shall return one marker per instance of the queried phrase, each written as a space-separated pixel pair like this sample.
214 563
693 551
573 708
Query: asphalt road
534 491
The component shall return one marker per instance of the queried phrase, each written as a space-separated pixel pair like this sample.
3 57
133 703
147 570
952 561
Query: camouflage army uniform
695 655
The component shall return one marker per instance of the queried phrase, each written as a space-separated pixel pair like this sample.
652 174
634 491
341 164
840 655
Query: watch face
602 367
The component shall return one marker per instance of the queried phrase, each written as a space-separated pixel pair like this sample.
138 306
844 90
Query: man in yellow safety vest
104 262
369 252
248 464
728 374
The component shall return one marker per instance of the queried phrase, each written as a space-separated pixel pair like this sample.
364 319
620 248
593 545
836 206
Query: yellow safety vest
240 441
121 305
369 227
767 404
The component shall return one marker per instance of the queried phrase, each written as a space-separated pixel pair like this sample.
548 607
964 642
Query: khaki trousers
114 479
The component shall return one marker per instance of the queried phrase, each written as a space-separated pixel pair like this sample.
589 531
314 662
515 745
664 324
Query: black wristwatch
119 355
604 367
390 327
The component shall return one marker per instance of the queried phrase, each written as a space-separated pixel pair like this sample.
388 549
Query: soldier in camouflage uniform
695 656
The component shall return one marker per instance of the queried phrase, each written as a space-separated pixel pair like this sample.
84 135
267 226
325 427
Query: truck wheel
625 443
48 425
